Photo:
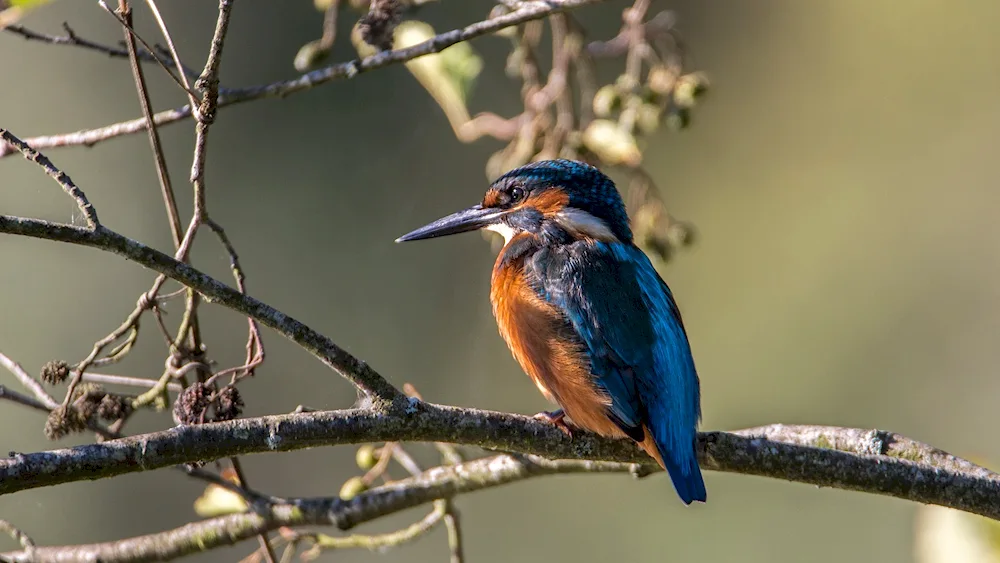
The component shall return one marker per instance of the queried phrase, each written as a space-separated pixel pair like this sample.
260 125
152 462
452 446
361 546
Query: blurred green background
842 177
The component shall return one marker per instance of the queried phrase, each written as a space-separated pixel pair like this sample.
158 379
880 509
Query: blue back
626 317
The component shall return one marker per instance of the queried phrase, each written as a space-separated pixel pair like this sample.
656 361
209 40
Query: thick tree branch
526 11
871 461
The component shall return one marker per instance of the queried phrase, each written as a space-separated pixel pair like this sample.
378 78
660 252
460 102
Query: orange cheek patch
492 198
549 202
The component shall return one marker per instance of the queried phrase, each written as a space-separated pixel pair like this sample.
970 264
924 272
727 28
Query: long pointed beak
470 219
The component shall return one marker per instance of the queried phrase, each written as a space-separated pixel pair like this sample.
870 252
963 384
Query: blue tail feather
687 478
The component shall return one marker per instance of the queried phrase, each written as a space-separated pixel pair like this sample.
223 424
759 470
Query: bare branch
525 12
130 32
43 396
58 175
937 479
869 461
130 381
416 530
25 400
434 484
170 47
163 174
212 290
20 537
71 39
453 522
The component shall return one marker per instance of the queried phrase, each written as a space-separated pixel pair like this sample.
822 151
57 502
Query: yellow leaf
448 76
218 501
11 11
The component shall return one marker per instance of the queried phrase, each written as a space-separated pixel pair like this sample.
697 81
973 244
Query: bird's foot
557 418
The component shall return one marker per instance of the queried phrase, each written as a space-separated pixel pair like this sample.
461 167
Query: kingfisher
585 313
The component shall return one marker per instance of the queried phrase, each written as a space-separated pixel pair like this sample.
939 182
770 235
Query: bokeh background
841 175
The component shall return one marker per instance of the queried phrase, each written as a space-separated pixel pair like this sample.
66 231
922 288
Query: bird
585 313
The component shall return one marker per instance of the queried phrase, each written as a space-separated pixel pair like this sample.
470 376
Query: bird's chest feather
546 347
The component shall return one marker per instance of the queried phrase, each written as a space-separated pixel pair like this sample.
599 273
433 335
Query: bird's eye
516 194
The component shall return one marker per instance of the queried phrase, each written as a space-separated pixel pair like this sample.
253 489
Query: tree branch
436 483
526 11
904 469
20 537
162 172
59 176
71 39
852 459
212 290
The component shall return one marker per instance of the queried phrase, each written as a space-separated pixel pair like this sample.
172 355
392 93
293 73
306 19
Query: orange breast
543 344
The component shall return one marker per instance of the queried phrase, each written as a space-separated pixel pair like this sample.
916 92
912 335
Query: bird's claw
556 418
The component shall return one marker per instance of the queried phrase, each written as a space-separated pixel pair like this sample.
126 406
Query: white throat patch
503 230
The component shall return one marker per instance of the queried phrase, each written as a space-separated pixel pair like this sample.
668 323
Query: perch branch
866 460
852 459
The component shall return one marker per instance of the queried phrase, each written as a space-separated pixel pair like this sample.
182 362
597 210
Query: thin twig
31 383
452 521
25 400
249 495
162 173
58 175
132 33
146 301
20 537
43 401
617 46
330 25
71 39
255 344
324 542
265 544
142 382
170 46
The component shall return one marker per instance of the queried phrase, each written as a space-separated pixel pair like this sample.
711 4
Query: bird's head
551 199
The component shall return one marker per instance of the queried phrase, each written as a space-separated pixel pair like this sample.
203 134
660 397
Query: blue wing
626 316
